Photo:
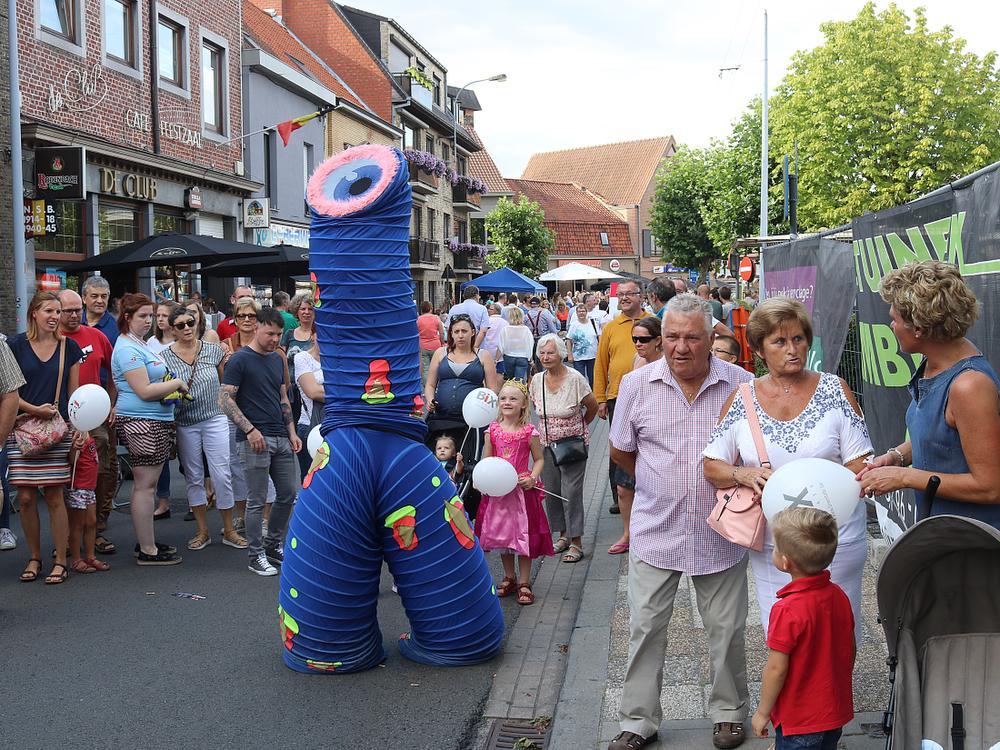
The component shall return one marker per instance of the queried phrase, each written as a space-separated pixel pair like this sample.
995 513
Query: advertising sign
256 213
60 172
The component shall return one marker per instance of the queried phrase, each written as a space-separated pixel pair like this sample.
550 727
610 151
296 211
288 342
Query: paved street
114 660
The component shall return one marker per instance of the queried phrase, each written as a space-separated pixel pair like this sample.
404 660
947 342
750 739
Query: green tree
519 237
883 111
732 209
683 188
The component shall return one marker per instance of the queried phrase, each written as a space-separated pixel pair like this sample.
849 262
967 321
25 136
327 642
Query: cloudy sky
584 72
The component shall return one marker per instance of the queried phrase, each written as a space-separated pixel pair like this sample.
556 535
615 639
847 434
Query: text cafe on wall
108 160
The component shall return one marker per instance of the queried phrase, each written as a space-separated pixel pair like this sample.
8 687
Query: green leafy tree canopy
519 237
884 111
683 188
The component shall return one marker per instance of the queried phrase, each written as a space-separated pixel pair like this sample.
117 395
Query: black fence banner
818 272
959 224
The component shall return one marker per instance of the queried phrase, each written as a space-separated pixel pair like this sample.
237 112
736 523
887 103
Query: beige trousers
722 603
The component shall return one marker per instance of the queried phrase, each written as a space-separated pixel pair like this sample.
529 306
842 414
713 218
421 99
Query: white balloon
480 408
815 483
89 407
313 441
494 476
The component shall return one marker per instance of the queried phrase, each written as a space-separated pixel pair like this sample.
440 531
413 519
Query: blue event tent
506 280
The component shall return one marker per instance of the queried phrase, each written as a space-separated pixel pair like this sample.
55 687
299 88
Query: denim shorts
815 741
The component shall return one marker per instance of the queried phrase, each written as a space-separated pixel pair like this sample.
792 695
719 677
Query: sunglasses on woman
246 316
180 325
642 339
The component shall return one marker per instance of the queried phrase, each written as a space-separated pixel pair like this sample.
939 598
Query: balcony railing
423 182
466 260
424 252
461 195
416 91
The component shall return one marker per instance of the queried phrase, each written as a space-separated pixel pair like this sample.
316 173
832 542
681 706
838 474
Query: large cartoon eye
352 180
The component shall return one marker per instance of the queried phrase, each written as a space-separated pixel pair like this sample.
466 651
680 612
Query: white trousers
210 438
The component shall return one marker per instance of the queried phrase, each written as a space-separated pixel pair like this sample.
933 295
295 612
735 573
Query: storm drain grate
506 732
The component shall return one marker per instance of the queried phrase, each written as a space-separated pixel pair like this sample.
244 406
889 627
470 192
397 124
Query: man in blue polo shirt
96 294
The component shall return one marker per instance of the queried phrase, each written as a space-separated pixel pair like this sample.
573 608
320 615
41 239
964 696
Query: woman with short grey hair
565 405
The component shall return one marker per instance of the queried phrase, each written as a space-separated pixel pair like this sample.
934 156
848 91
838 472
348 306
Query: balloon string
565 500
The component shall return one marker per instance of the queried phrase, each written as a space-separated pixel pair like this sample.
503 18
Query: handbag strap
758 437
62 365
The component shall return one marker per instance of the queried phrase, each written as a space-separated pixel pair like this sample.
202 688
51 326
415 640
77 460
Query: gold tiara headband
517 383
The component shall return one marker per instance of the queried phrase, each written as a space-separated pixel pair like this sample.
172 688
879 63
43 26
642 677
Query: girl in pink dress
515 523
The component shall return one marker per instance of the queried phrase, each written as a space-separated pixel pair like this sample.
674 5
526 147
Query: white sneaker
261 566
7 539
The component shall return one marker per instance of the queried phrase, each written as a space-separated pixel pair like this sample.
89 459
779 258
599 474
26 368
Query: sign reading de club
60 172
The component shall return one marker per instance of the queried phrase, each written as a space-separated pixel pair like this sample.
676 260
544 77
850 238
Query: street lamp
499 78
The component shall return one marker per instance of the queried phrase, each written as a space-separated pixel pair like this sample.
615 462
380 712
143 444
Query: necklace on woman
136 339
787 389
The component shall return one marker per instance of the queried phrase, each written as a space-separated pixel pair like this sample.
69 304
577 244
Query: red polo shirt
813 623
96 354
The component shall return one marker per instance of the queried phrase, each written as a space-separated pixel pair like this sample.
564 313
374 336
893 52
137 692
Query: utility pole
763 143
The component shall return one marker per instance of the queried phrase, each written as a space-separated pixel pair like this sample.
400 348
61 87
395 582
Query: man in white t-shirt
470 306
594 312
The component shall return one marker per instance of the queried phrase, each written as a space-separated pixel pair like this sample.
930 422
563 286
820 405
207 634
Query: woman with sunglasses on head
456 370
202 430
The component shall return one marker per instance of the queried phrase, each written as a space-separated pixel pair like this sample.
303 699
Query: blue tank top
452 389
936 445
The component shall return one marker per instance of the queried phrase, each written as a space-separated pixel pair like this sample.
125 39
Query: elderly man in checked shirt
663 418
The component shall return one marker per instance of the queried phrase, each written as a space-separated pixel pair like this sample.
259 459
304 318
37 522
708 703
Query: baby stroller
470 444
939 604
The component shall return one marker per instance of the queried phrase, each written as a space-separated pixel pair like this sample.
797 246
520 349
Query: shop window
213 83
68 237
59 17
116 225
170 52
120 31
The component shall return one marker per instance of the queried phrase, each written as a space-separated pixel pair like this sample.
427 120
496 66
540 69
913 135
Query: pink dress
516 521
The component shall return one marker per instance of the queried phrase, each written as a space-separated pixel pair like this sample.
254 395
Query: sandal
506 587
104 546
573 555
525 595
618 548
54 578
199 541
98 565
82 566
233 539
29 575
562 543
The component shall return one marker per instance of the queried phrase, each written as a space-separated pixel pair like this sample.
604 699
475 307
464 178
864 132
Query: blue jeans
517 367
817 741
586 368
8 496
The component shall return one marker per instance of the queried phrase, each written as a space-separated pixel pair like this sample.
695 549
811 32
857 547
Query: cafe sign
127 184
60 172
256 213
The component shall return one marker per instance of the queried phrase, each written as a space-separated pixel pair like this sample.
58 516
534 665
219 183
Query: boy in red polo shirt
806 692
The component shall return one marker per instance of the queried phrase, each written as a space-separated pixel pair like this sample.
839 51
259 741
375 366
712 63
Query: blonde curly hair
932 297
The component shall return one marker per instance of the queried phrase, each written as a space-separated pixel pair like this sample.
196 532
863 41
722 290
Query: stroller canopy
940 578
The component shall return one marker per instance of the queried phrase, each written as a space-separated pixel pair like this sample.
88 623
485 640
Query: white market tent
578 272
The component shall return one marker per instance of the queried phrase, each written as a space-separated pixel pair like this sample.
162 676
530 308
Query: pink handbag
737 515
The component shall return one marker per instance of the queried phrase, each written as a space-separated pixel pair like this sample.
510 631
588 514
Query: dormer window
604 239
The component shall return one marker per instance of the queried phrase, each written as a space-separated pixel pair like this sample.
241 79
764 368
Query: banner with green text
959 224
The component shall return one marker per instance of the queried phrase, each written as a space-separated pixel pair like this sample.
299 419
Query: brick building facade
169 160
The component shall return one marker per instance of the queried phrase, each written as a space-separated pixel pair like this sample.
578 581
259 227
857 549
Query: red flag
285 129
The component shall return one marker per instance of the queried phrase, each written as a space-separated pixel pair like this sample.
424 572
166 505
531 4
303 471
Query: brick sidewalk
566 655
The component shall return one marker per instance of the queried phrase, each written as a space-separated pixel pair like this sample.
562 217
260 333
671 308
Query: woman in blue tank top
954 417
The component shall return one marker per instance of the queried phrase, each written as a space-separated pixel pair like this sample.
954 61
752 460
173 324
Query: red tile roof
577 218
482 166
271 36
620 172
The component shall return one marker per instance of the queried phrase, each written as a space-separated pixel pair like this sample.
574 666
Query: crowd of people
235 405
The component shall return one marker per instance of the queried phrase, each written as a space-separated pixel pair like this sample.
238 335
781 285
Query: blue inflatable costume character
374 492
